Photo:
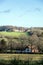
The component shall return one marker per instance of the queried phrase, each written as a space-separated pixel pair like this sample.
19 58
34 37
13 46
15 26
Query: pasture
14 34
24 57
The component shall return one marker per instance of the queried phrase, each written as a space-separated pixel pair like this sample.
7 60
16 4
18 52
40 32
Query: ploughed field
24 57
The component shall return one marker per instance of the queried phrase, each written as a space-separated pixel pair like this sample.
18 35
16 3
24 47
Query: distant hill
19 29
13 28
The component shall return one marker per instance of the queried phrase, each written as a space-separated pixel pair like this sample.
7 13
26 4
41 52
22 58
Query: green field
21 56
13 33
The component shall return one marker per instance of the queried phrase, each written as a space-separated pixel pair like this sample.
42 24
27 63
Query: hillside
20 38
12 34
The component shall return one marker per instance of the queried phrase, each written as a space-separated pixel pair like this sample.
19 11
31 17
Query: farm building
28 50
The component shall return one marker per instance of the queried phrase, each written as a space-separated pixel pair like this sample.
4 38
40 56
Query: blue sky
25 13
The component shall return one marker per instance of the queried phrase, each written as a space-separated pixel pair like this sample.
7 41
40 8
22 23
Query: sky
25 13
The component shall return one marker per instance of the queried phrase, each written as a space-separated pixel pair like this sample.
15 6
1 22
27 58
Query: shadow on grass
21 62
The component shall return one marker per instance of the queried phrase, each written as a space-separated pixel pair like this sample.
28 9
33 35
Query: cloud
24 13
21 15
6 11
37 9
29 11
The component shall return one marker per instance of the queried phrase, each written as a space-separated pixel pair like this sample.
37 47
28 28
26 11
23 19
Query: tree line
23 41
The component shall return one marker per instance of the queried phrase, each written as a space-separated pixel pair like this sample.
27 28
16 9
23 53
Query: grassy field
13 33
21 56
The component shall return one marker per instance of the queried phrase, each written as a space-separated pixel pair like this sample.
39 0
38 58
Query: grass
21 59
13 33
21 56
21 62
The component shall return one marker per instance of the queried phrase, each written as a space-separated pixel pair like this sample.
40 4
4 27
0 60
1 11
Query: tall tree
4 44
33 41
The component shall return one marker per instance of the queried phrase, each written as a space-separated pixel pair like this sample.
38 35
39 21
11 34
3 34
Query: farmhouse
34 49
28 50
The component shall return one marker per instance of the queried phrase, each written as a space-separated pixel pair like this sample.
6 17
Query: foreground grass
19 62
21 56
21 59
